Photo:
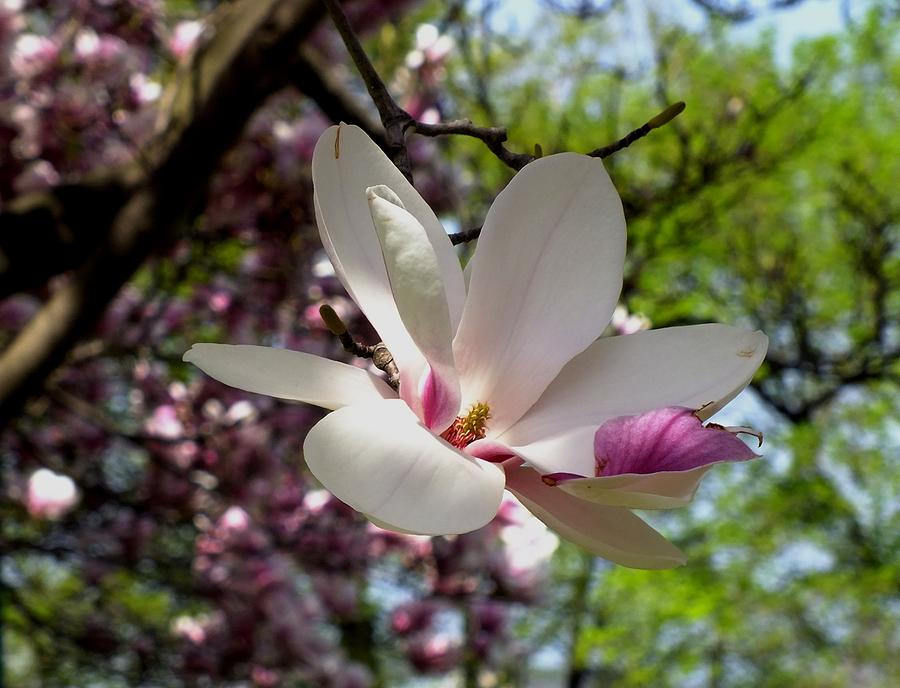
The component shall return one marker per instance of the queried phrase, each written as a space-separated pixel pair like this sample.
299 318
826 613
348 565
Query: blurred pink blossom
164 423
436 653
50 495
184 38
32 55
234 519
624 322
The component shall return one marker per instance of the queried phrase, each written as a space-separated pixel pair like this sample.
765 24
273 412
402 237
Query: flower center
470 427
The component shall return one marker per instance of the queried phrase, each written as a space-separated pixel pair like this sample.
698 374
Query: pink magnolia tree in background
173 512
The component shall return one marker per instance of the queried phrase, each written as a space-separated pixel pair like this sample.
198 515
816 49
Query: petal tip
190 356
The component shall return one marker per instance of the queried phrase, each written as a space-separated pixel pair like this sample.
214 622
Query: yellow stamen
470 427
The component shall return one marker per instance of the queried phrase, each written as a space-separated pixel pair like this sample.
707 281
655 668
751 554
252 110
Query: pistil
470 427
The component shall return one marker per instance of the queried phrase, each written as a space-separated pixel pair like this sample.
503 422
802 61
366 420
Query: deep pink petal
666 439
490 450
439 399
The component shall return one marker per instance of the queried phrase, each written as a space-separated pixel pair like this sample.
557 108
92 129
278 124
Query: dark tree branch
46 233
741 11
394 118
208 107
316 81
397 121
583 9
493 138
465 236
43 234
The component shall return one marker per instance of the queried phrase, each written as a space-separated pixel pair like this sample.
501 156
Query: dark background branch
209 106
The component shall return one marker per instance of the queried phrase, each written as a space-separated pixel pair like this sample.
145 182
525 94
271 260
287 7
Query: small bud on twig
332 320
379 353
667 115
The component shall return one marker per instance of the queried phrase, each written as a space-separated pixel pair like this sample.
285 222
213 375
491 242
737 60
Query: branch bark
394 118
250 55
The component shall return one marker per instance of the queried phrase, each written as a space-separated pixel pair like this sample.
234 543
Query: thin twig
660 120
464 236
379 353
494 136
394 118
397 121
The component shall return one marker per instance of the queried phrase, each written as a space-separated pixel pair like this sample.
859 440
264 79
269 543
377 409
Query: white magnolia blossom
504 383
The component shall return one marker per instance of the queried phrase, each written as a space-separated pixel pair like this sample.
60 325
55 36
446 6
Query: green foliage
771 203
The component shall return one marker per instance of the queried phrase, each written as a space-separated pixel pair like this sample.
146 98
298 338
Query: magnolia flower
503 380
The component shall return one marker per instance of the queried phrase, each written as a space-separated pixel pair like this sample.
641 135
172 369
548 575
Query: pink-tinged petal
346 163
380 460
665 490
490 450
666 439
437 401
677 366
568 459
418 290
288 374
611 532
545 279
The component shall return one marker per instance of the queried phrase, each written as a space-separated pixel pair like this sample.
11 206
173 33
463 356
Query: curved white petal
329 247
618 376
568 452
345 163
418 290
390 526
664 490
288 374
378 459
611 532
545 279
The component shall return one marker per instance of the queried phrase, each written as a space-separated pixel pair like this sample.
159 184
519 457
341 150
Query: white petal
345 163
631 374
329 247
664 490
390 526
288 374
418 290
378 459
571 451
611 532
467 271
545 279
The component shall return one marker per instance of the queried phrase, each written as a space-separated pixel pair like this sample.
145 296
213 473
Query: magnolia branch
494 137
379 353
397 122
394 118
